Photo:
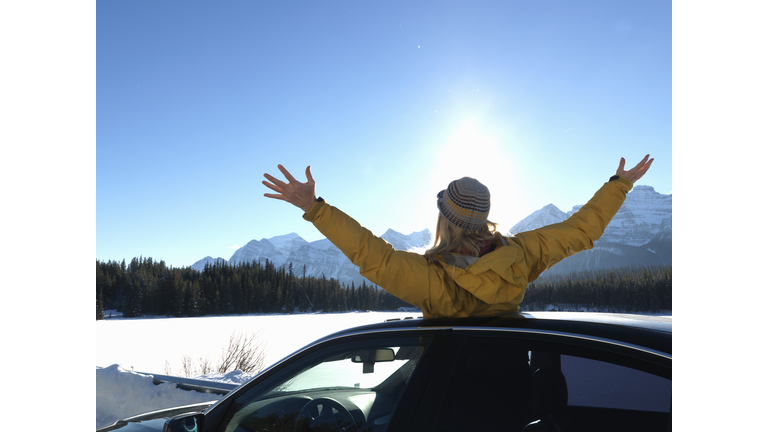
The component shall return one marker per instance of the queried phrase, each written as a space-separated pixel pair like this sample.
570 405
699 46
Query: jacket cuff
625 182
311 215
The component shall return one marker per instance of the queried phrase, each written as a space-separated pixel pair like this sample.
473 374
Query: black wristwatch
614 178
320 199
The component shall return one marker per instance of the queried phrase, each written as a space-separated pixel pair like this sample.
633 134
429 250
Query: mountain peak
399 241
287 242
644 189
547 215
200 264
283 237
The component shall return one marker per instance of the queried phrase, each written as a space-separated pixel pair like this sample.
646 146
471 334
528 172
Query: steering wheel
318 414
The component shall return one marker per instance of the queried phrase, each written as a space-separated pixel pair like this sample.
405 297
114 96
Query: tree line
626 289
145 287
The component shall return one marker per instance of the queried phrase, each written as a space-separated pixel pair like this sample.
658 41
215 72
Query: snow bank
122 393
235 377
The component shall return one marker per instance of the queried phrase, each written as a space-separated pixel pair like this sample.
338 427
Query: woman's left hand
637 172
302 195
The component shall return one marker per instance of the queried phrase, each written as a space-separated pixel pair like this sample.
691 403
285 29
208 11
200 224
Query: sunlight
469 152
474 151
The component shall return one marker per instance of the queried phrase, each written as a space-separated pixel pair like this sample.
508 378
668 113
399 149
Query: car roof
647 331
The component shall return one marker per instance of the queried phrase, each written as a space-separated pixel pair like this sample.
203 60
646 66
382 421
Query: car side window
504 383
346 386
595 383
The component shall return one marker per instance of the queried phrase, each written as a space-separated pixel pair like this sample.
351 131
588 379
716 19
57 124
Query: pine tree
217 303
177 293
133 301
193 308
99 305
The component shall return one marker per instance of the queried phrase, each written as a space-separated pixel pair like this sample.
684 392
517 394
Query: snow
131 350
287 241
121 393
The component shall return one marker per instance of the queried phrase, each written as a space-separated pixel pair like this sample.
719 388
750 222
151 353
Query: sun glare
469 152
474 151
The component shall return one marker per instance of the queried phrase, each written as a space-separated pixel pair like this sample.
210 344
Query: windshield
343 373
358 381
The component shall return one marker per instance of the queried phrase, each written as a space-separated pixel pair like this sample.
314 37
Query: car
532 371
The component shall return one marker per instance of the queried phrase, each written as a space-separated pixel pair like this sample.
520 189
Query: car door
514 381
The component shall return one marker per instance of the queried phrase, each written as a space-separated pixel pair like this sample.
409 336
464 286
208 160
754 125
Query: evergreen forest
627 289
145 287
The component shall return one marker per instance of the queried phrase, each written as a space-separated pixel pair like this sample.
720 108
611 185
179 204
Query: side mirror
185 423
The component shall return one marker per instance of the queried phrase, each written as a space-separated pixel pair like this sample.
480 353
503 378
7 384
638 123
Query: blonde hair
449 237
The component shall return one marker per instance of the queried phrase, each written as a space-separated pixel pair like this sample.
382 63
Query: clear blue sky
387 101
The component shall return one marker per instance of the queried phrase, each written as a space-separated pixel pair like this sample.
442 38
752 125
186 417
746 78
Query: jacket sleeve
548 245
403 274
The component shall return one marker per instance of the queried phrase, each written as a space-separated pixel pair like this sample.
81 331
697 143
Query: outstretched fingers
308 173
637 172
276 185
642 163
621 165
287 174
300 194
274 181
643 166
280 191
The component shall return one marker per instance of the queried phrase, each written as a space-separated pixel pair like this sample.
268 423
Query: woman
471 270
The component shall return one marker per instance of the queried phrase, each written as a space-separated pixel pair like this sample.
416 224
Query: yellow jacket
461 286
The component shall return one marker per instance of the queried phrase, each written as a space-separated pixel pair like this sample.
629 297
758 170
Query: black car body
533 371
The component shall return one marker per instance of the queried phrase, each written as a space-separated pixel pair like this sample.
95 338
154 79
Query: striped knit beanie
465 203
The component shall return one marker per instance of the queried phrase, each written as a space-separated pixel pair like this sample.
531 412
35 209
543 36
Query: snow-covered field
131 350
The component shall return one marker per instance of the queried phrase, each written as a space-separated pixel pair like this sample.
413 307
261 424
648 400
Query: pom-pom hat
465 203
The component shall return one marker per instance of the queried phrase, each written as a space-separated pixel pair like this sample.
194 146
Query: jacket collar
462 261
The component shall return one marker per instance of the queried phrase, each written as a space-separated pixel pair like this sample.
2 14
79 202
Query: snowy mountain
276 249
200 264
547 215
640 234
641 217
413 240
321 257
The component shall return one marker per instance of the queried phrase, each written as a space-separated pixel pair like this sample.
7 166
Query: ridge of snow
121 393
547 215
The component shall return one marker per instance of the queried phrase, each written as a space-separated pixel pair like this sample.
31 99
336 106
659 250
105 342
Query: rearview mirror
185 423
374 355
